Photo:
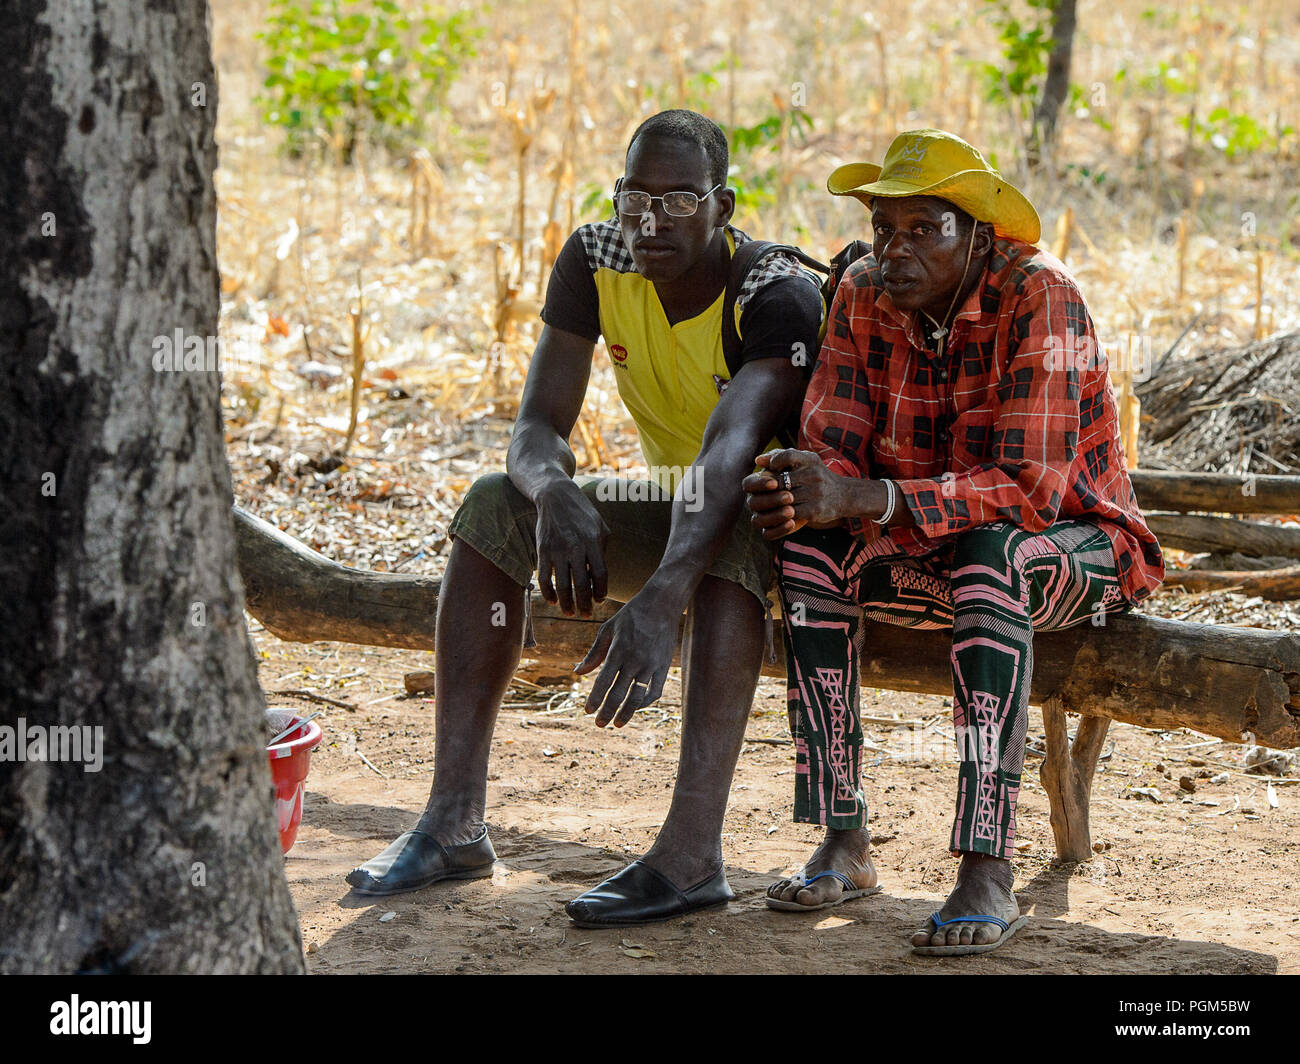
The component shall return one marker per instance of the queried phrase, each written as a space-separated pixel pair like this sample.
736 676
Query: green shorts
499 522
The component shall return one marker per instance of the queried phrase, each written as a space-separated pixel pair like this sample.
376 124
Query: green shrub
755 185
1026 44
338 68
1237 134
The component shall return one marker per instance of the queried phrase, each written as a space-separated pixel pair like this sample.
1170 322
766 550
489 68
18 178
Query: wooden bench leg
1067 777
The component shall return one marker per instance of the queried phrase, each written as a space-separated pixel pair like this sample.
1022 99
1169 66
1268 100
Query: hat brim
1012 215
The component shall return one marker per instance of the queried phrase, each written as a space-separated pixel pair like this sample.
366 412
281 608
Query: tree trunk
122 608
1056 86
1225 535
1276 585
1132 668
1224 493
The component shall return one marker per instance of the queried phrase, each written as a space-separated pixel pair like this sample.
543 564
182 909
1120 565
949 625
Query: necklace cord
943 327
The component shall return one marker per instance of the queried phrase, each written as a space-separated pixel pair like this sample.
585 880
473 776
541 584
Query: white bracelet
883 519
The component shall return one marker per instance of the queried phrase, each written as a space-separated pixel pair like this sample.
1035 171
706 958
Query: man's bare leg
847 852
475 655
473 662
722 659
723 654
983 889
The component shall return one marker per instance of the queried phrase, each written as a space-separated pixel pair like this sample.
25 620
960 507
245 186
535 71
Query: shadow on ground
514 922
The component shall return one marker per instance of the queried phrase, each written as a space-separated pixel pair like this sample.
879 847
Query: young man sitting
652 283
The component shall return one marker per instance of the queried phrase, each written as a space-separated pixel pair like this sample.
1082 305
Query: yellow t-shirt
670 377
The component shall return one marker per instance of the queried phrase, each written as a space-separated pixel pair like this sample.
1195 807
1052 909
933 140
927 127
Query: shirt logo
618 353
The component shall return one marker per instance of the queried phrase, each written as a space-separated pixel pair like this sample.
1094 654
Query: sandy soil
1179 886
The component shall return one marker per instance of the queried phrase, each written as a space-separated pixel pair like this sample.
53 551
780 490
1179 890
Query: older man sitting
961 467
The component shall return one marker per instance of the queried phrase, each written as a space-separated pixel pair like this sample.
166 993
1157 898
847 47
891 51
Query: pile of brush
1233 410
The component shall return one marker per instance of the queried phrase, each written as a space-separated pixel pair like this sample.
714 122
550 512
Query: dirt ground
1200 882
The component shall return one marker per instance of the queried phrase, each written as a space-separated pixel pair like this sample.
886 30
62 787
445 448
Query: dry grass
454 242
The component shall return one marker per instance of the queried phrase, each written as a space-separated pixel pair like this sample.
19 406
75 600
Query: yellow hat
930 162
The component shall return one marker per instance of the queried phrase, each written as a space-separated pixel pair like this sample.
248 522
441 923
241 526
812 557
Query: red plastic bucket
290 759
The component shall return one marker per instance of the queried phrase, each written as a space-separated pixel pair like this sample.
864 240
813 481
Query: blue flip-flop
961 951
851 891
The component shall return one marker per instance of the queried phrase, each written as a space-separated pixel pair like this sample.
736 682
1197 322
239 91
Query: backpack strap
745 258
742 260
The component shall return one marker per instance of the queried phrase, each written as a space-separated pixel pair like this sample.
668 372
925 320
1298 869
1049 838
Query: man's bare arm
570 533
636 646
539 454
757 402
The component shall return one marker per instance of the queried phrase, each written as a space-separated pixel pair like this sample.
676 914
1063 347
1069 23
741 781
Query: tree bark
1056 86
1276 585
1224 493
1224 535
1132 668
122 607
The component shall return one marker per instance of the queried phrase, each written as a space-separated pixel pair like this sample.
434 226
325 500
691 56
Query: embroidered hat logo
915 151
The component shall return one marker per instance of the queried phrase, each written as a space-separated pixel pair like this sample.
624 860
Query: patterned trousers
994 586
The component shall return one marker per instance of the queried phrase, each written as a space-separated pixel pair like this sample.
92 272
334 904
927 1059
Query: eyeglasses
678 204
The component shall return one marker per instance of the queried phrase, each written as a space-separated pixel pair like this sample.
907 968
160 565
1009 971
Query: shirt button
943 374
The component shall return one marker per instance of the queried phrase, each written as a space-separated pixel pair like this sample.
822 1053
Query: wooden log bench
1219 493
1194 496
1229 683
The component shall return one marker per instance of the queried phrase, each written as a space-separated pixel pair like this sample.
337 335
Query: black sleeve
786 312
571 300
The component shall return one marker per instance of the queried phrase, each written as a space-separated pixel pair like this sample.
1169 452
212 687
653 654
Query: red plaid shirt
1017 422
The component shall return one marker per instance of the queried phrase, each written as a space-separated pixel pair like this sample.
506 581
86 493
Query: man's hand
796 490
636 646
571 539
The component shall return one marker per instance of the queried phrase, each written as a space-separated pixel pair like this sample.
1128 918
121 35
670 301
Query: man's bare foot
983 889
846 852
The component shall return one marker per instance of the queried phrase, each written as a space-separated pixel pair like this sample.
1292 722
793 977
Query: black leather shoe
414 860
640 895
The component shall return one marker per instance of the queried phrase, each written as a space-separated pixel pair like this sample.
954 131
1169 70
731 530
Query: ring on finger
785 481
